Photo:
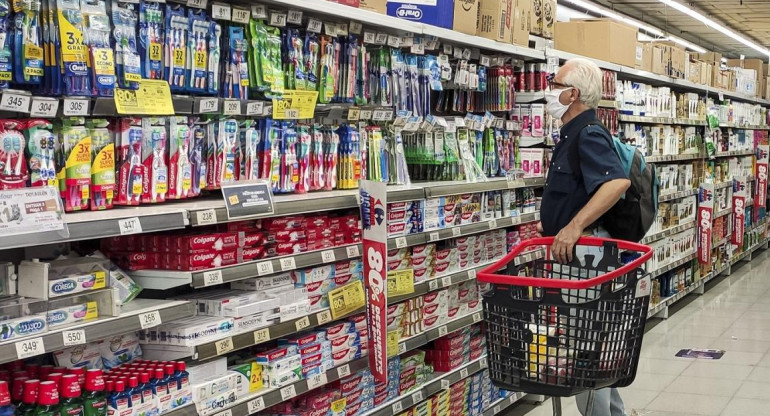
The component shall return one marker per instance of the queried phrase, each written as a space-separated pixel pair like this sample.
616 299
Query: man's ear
575 94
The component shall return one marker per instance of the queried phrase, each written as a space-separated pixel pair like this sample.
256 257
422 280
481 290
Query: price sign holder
152 98
295 105
44 107
16 101
400 282
346 299
247 199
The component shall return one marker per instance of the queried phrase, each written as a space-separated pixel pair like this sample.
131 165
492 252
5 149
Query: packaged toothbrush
236 74
155 185
285 173
303 159
74 53
331 157
295 61
13 164
53 82
180 170
102 165
75 145
350 166
27 44
326 70
250 140
152 34
198 49
211 156
226 134
311 54
6 53
215 52
316 159
40 152
198 156
129 170
270 137
125 18
176 44
96 38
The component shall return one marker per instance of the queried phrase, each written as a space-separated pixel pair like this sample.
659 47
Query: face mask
554 107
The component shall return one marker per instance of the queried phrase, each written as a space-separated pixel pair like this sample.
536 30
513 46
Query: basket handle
488 275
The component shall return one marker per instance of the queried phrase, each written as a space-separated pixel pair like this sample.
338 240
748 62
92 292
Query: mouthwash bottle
145 387
119 400
71 405
94 399
6 408
134 391
47 399
17 390
182 376
170 380
29 398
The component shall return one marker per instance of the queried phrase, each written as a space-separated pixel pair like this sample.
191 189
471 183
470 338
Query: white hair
587 78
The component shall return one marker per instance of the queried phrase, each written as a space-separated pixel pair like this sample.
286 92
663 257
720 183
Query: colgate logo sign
203 240
204 257
409 13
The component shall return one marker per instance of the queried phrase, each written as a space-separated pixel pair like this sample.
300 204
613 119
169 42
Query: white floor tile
715 369
703 385
689 403
746 407
753 390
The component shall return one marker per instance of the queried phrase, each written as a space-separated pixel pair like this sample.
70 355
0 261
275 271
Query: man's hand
564 242
540 227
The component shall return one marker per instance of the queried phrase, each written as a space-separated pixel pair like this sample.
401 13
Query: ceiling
750 18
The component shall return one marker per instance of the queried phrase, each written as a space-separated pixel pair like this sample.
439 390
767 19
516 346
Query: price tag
434 236
232 108
397 408
355 28
314 25
288 392
277 19
130 226
261 335
484 60
432 285
394 41
324 317
213 277
209 105
343 371
288 263
294 17
417 397
721 96
446 281
346 299
381 38
444 384
74 337
224 345
342 29
537 216
44 107
302 323
221 11
206 217
365 115
402 348
496 409
255 108
418 49
75 107
316 381
259 11
352 251
483 363
492 224
199 4
149 319
353 114
256 405
447 49
241 15
292 113
266 267
327 256
338 406
228 412
464 373
442 331
30 348
476 317
15 102
369 37
400 242
456 231
472 274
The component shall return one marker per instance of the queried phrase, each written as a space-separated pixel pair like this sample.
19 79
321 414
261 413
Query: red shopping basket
562 329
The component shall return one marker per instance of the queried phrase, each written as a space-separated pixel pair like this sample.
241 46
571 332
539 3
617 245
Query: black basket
563 341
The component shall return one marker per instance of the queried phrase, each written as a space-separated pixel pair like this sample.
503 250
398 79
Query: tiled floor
734 315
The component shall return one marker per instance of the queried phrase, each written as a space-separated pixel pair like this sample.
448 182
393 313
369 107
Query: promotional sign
739 210
31 210
705 217
763 158
375 245
247 198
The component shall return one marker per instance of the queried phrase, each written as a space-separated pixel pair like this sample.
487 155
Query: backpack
633 215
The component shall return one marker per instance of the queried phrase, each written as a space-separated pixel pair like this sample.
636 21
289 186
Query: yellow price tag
33 52
296 103
180 57
152 98
5 76
400 282
200 60
339 405
156 51
347 299
33 72
131 77
392 343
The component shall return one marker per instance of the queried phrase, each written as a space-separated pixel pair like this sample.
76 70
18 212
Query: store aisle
733 315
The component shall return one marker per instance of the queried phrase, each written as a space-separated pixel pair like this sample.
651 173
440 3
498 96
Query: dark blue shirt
566 194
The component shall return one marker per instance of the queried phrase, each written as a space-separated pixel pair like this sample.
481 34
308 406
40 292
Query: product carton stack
750 76
603 39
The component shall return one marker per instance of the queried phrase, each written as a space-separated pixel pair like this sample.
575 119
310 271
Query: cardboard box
603 39
659 64
694 72
713 57
437 12
520 28
494 19
379 6
465 15
767 88
644 56
536 18
548 18
705 75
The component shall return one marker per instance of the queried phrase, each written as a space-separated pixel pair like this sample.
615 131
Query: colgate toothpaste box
253 253
285 249
253 239
205 260
339 329
345 355
208 242
291 222
269 356
286 236
351 339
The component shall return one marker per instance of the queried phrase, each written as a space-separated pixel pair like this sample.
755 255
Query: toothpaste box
294 310
208 242
351 339
72 314
269 356
345 355
321 347
339 329
259 306
286 377
305 339
248 377
263 283
217 403
313 274
281 365
214 386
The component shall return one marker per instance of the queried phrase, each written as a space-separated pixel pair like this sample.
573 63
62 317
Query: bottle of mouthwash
94 399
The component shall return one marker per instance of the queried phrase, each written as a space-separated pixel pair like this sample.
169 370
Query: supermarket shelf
719 242
748 252
438 189
723 212
105 327
498 406
746 127
460 230
608 104
672 266
672 158
451 36
661 120
725 184
529 97
667 232
735 153
677 195
665 303
425 337
167 279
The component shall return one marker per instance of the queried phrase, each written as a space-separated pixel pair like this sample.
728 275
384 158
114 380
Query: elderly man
581 187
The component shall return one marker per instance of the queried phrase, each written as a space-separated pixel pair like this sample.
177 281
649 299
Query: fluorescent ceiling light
714 25
687 44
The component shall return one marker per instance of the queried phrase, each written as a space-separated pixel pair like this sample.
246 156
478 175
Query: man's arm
605 198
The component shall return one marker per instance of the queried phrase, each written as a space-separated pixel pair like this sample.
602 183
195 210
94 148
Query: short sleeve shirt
565 193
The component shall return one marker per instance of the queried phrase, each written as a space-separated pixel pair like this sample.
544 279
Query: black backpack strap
573 154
